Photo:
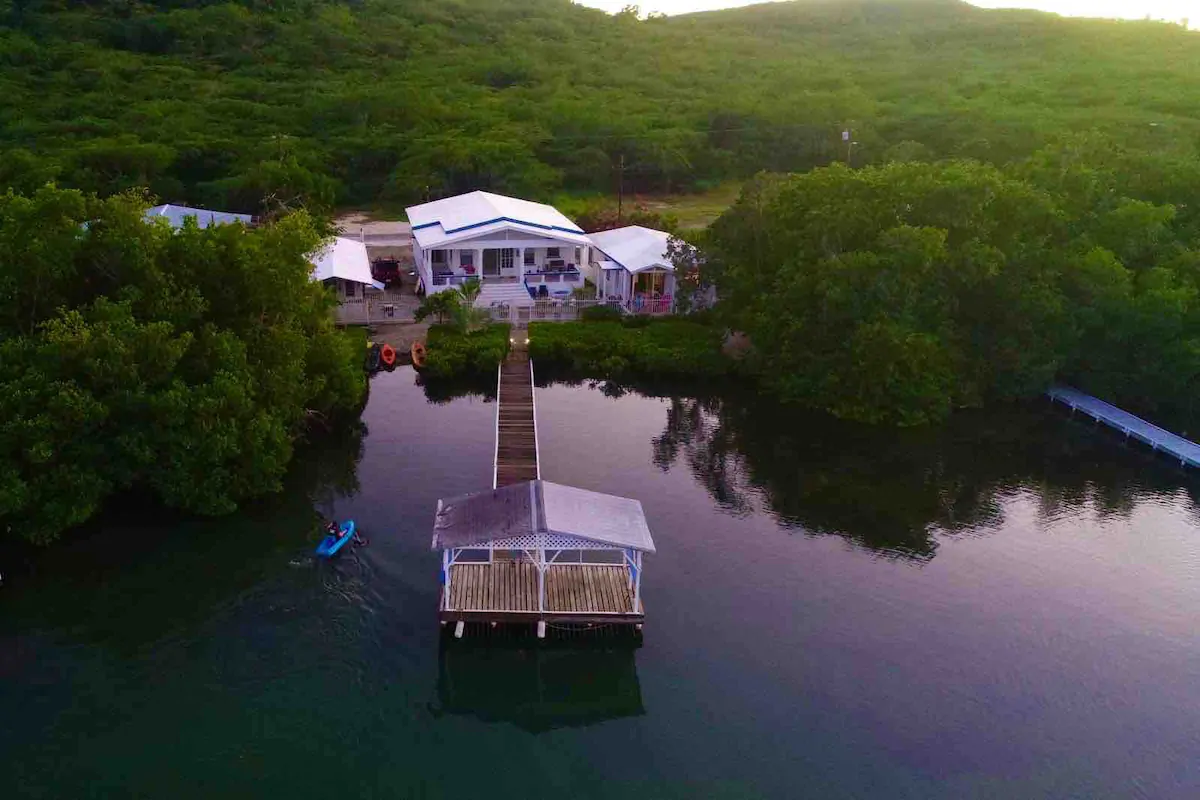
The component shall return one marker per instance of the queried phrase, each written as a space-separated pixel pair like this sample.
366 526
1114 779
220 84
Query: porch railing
553 276
646 305
545 310
451 279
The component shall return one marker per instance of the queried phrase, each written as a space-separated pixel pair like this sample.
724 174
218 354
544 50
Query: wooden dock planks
503 586
512 587
516 429
588 589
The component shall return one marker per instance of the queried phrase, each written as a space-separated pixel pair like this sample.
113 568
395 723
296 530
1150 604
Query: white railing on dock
537 450
1188 452
496 433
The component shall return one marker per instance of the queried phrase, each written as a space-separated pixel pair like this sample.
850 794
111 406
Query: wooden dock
532 551
509 592
1159 439
516 421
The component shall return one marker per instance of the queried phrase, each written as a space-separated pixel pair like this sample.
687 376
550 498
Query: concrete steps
512 294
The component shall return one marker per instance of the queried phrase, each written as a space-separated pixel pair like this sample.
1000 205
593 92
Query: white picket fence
568 309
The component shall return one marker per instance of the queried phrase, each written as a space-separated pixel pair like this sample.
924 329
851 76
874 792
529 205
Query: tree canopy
132 356
897 293
223 104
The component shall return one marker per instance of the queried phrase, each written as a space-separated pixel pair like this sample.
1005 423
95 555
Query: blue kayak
331 544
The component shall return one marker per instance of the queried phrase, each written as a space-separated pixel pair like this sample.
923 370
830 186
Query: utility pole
620 187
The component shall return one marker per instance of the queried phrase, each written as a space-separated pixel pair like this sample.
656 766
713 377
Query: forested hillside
228 103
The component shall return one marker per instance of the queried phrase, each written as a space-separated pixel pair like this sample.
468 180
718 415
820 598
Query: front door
491 263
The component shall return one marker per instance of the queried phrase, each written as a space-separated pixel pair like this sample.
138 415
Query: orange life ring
388 355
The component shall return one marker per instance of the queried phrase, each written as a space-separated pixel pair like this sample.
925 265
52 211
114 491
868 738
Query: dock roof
541 508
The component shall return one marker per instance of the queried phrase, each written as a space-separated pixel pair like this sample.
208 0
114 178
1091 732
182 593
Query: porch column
542 580
521 265
637 583
479 263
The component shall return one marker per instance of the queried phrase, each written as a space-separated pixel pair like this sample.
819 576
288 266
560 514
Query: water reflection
893 491
139 571
538 687
441 391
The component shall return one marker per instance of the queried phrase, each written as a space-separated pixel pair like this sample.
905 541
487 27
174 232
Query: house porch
529 263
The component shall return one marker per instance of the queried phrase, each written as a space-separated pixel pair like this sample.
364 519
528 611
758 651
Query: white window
551 252
438 256
506 258
466 258
348 288
529 257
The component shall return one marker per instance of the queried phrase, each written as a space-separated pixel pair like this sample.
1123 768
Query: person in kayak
333 530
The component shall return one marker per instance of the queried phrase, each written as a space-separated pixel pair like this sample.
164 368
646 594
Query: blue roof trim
576 231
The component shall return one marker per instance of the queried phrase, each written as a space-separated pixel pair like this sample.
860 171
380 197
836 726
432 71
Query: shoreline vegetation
137 358
954 217
633 349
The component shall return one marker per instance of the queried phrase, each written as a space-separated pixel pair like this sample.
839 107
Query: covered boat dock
543 553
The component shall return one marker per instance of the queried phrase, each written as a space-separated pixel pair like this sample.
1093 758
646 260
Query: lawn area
697 210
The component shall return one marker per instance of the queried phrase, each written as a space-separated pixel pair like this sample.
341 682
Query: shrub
665 348
453 353
600 314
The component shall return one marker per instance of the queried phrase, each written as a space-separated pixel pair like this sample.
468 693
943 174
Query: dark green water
1007 607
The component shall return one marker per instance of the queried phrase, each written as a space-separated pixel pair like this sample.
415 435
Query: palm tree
469 291
467 317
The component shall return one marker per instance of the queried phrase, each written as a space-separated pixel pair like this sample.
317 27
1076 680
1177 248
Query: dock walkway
531 551
1186 451
516 421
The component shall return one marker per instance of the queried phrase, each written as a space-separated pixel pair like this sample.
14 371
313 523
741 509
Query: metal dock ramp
1160 439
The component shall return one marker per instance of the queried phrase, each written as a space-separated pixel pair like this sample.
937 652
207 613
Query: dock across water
1160 439
516 421
531 551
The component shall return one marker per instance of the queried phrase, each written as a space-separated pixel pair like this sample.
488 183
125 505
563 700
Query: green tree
133 356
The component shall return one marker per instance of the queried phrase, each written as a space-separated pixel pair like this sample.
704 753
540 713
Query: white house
634 269
344 264
177 214
518 249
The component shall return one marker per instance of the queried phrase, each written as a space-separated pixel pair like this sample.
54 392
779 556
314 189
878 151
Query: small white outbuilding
344 264
634 269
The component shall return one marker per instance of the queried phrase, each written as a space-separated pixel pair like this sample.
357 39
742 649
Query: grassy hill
228 103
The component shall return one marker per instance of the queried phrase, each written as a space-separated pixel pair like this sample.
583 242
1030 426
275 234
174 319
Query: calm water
1007 607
